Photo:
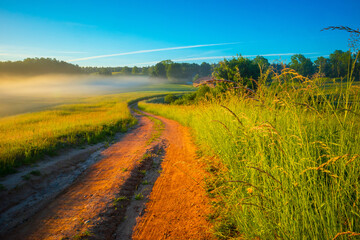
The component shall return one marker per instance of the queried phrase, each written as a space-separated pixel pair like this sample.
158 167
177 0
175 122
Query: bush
169 98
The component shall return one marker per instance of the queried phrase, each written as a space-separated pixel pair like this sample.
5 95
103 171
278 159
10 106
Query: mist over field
26 94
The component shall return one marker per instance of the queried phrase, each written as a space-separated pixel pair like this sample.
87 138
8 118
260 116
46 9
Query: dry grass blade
237 118
351 234
352 159
332 160
227 129
260 170
344 28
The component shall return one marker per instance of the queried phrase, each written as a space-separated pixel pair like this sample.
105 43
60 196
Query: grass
82 235
139 196
167 88
26 138
145 182
119 200
290 159
158 128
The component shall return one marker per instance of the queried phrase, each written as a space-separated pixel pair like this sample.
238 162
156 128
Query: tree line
38 66
174 72
334 66
338 65
180 72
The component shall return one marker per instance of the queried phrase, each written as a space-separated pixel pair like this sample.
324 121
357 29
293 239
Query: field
283 161
288 159
203 120
27 137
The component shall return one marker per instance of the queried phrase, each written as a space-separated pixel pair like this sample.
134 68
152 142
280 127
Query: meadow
26 138
288 157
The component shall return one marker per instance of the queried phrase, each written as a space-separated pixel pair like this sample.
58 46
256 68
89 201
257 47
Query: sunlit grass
167 87
290 157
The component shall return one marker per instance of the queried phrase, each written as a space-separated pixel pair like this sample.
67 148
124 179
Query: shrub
169 98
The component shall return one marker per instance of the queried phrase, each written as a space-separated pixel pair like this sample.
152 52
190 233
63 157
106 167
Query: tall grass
290 156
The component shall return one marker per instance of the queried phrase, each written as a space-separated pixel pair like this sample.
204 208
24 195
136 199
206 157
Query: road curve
176 209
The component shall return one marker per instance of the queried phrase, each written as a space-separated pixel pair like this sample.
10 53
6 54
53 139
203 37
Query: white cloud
69 52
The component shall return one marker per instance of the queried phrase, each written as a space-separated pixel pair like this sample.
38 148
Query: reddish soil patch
178 203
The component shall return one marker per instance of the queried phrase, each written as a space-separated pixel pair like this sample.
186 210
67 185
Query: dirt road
97 205
178 203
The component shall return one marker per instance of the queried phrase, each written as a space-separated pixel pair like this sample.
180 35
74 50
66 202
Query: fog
26 94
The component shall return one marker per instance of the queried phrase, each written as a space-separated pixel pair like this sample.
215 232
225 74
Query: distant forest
334 66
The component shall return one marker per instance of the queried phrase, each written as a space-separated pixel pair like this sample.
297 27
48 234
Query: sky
143 32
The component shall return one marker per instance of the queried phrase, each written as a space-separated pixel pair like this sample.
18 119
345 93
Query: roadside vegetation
289 151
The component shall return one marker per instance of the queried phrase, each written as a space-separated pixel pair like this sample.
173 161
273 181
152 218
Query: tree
174 72
105 71
262 62
302 65
159 70
196 77
323 65
205 69
135 70
126 70
241 70
340 61
145 70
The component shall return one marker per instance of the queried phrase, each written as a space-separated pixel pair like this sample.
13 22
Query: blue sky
119 33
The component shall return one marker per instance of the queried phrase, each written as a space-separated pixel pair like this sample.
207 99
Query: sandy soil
26 196
101 203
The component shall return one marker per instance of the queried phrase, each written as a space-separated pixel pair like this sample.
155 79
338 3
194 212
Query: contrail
150 50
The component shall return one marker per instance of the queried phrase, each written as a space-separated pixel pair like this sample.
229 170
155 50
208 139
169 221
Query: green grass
167 88
290 160
145 182
118 200
82 235
139 196
26 138
158 128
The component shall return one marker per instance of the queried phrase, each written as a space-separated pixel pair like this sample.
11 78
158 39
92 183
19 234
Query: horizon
111 33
